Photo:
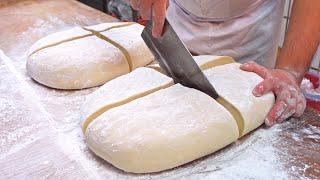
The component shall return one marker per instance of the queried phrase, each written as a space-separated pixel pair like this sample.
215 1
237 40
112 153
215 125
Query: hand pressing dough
162 130
122 90
235 86
79 58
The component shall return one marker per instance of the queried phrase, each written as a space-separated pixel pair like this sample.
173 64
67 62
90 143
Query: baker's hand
158 9
289 98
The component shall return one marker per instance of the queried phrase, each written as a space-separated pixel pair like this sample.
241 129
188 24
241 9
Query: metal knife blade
176 60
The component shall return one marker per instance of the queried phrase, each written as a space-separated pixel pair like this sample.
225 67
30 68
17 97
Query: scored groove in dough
203 62
234 112
217 62
60 42
79 37
140 82
102 110
117 45
109 28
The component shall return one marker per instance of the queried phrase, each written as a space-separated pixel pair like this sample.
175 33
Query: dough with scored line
176 125
138 83
162 130
78 58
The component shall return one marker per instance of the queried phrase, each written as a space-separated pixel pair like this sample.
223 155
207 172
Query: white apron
244 29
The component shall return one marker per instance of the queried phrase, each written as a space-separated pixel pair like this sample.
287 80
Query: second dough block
82 57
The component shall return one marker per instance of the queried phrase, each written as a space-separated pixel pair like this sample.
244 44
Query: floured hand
289 98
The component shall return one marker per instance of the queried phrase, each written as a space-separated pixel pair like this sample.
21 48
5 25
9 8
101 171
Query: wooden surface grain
40 135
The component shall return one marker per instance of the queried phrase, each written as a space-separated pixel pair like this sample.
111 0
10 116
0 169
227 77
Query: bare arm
302 38
294 60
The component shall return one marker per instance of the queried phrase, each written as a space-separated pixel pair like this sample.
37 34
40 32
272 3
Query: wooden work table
40 135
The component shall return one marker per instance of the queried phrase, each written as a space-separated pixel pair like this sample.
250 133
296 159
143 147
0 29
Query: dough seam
115 44
105 108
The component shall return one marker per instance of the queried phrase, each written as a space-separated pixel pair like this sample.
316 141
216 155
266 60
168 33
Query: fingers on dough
163 130
119 91
77 58
235 87
172 125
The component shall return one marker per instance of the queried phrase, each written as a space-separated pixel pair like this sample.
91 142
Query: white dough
122 90
236 86
58 37
172 125
77 64
160 131
78 58
129 37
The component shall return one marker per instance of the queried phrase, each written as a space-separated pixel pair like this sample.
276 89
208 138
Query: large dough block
80 58
136 84
163 130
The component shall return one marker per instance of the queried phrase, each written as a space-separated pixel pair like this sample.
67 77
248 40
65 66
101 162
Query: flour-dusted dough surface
57 38
160 131
122 90
77 64
236 86
129 37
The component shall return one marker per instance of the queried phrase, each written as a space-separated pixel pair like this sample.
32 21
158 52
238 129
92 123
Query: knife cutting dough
248 30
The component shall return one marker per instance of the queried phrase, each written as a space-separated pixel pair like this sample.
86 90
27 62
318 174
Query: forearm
302 38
